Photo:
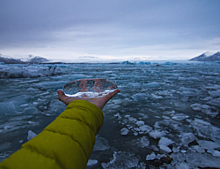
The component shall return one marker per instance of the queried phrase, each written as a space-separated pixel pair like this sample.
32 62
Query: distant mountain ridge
36 59
10 60
207 57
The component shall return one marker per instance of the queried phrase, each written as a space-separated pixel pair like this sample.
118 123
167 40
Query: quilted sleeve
65 143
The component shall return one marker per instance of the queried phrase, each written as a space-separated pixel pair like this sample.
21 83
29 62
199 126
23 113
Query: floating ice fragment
127 116
134 84
165 141
31 110
202 122
197 160
144 63
122 160
139 97
183 151
55 107
118 116
208 98
212 87
136 129
151 156
156 134
198 149
31 135
214 102
139 123
164 93
19 118
208 144
5 146
45 93
144 116
152 84
49 85
166 117
180 116
206 130
118 101
215 93
124 131
175 149
101 144
182 166
92 162
24 105
156 96
144 142
196 107
8 107
145 128
132 119
165 148
199 107
187 138
216 153
135 133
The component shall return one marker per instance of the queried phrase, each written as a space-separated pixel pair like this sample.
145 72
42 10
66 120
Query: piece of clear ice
89 88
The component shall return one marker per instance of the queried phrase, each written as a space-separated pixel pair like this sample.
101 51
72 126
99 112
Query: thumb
112 94
61 96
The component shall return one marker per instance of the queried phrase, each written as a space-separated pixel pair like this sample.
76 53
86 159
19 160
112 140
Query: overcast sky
113 29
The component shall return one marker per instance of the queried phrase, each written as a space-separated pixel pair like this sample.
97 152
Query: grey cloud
102 25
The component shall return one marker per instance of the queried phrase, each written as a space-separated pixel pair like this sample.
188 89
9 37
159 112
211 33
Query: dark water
179 101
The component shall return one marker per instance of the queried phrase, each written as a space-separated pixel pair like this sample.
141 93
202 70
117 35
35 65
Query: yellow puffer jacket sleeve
65 143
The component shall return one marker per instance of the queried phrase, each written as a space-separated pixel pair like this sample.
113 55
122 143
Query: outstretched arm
65 143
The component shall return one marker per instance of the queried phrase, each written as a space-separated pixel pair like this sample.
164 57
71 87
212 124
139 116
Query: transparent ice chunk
89 88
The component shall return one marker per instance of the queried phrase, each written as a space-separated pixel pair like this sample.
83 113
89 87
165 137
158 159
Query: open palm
99 102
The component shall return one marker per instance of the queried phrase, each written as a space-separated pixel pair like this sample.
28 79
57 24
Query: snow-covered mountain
9 60
207 57
37 59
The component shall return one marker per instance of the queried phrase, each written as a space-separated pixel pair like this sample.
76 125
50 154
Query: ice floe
157 102
214 102
139 97
156 134
152 84
91 162
31 135
187 138
124 131
123 160
101 144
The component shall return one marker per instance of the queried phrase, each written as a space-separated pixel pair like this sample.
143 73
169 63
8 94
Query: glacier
166 115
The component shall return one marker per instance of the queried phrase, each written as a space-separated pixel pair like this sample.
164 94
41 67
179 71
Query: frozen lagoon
166 114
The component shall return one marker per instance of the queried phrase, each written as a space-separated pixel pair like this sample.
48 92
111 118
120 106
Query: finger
112 94
61 96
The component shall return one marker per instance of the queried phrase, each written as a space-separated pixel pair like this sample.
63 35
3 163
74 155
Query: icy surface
124 131
165 148
101 144
122 160
163 108
92 162
187 138
156 134
31 135
165 141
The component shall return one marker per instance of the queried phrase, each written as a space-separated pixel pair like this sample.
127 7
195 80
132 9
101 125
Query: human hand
99 102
